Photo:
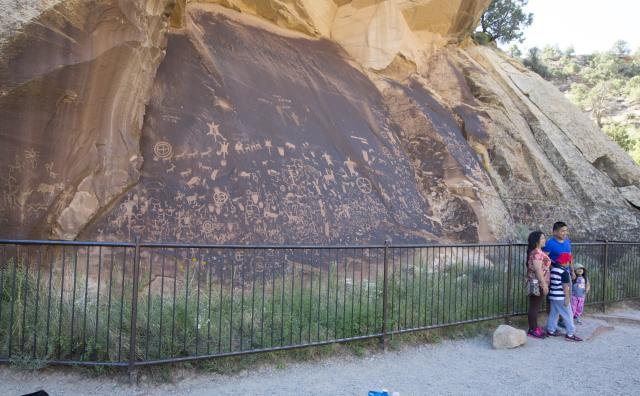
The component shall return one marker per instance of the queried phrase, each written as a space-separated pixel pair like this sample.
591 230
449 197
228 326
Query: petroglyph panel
289 163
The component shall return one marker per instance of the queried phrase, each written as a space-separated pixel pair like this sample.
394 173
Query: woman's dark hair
534 238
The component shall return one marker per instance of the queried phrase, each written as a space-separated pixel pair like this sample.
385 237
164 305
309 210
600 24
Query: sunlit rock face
290 121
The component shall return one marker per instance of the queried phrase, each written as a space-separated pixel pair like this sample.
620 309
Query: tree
505 20
619 133
514 51
620 48
533 62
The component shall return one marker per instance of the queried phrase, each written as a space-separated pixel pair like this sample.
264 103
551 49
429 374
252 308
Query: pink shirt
538 255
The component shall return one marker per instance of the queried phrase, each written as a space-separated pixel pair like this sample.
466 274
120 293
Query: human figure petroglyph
327 159
224 150
214 130
49 168
268 145
32 156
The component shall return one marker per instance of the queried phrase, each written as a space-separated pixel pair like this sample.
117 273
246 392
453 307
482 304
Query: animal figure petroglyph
214 174
192 199
290 146
171 168
194 181
204 167
186 173
206 153
351 166
239 148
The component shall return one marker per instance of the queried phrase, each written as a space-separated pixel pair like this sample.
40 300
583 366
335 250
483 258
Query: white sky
590 25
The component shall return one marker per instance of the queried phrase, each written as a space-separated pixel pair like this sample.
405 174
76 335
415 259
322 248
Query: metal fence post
509 283
385 292
133 374
604 275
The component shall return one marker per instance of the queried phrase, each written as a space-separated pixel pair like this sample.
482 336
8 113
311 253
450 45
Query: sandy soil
607 363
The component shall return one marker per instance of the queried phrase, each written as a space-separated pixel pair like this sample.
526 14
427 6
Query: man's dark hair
558 225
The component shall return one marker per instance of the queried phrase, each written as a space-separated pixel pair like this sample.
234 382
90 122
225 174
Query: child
560 301
579 291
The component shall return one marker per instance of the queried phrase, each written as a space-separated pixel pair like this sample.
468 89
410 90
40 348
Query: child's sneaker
577 321
572 338
553 334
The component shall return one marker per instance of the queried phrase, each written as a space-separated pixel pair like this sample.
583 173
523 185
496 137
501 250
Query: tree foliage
619 132
604 84
505 20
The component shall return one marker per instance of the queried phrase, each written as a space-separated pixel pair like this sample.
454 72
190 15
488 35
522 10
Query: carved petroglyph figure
239 148
32 156
224 150
364 185
214 130
49 168
171 168
186 173
328 159
351 166
268 145
204 167
361 140
163 150
281 151
193 182
206 153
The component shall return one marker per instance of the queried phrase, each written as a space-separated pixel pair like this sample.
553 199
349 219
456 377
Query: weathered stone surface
506 337
74 85
290 121
631 194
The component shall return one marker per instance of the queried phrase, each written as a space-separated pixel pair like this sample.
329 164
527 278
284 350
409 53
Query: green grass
197 310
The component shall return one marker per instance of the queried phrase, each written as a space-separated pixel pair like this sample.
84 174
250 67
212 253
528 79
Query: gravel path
608 364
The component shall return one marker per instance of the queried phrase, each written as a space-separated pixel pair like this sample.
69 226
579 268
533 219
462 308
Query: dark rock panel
268 140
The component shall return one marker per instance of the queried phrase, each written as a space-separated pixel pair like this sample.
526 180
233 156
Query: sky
588 25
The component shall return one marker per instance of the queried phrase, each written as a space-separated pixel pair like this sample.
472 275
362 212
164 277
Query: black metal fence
136 304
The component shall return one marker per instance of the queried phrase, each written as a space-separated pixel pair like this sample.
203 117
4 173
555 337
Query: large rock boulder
329 121
506 337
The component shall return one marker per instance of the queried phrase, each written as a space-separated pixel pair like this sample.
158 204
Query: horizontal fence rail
136 304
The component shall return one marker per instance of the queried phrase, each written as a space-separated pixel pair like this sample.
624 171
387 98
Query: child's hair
584 274
558 225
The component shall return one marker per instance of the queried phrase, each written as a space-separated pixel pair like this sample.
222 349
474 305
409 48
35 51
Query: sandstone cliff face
291 121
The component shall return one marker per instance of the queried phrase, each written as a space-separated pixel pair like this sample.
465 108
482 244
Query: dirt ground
607 363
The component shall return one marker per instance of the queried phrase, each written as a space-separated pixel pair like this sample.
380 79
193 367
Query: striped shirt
558 277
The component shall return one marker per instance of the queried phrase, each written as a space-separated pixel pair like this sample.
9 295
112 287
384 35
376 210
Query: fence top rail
181 245
64 243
